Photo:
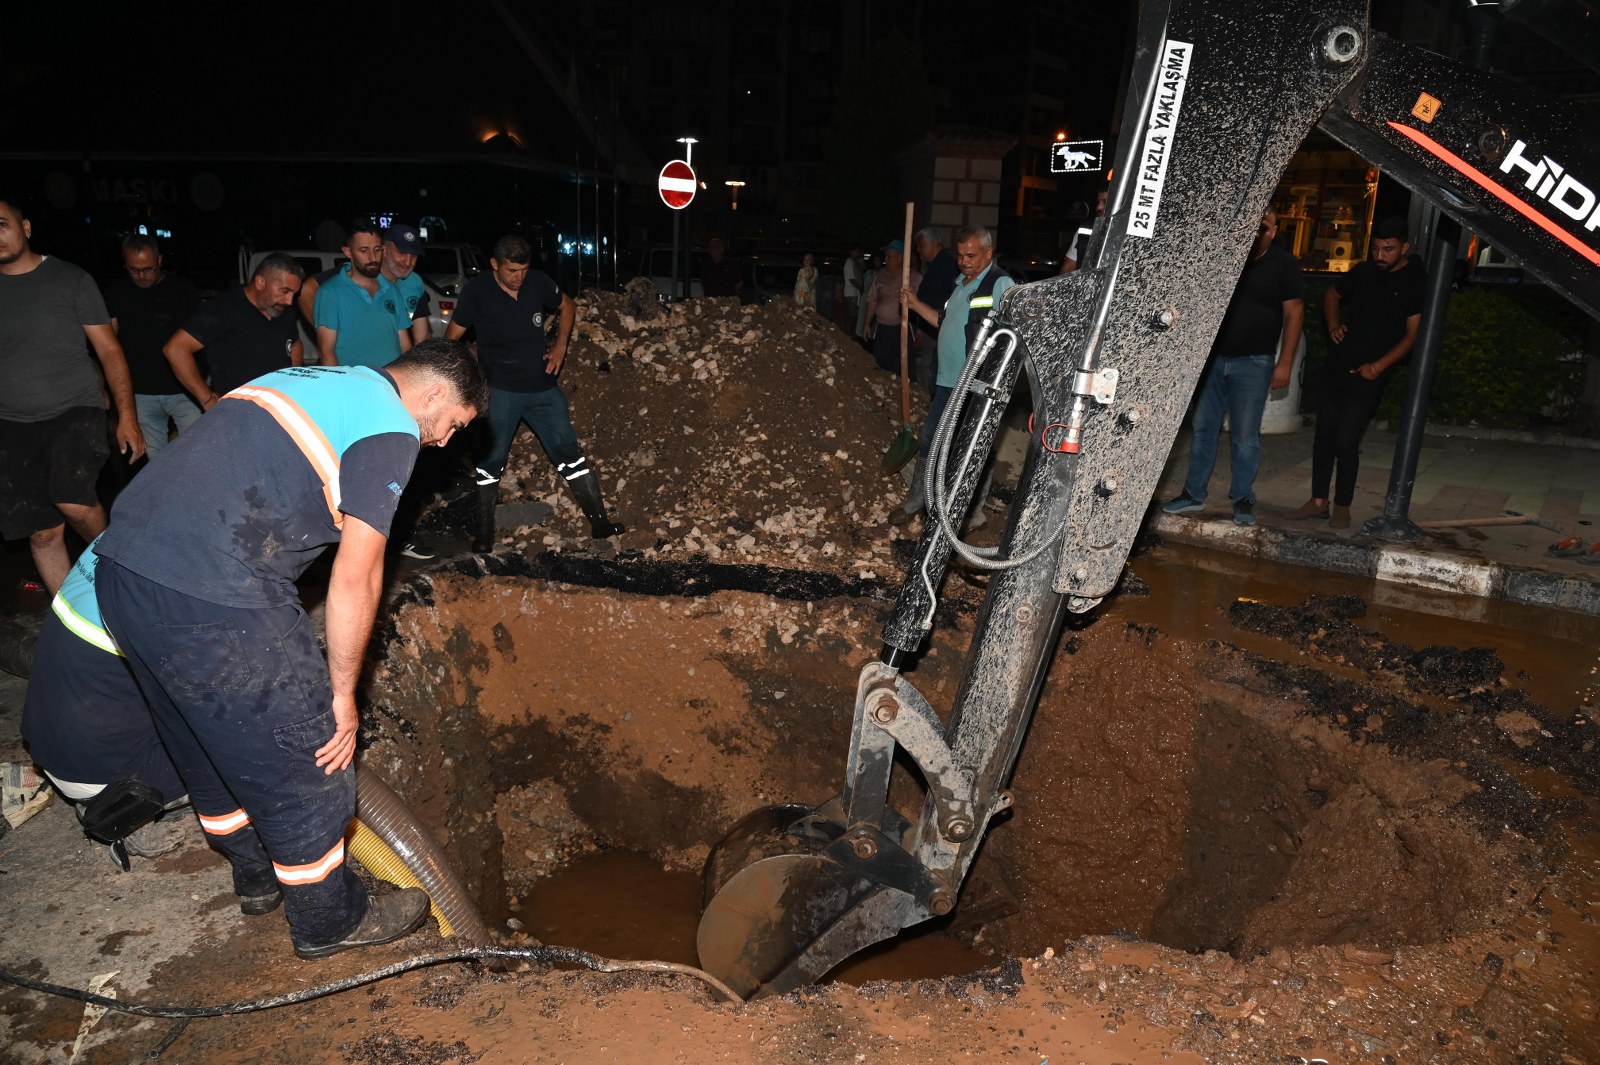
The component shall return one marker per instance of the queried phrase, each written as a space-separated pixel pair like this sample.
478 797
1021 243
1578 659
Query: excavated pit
1168 789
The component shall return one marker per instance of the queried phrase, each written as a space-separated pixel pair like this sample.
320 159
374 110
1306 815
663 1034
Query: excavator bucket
782 908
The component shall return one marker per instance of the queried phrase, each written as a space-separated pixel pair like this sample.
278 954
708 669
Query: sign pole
676 186
677 217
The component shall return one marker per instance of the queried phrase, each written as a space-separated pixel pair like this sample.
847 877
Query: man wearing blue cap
401 246
883 310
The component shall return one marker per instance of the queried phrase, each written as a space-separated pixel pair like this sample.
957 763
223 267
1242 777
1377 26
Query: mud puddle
1550 654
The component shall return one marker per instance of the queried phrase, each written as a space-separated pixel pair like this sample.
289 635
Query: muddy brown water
580 748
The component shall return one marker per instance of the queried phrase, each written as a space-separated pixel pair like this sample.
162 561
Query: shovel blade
903 447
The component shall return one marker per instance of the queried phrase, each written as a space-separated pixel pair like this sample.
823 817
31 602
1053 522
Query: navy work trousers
242 701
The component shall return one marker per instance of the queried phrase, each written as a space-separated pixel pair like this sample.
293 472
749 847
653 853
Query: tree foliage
1510 358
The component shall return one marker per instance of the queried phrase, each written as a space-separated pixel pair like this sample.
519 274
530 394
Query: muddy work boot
586 490
388 918
488 498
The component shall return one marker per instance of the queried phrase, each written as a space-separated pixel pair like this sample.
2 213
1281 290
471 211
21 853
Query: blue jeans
547 414
1237 387
154 412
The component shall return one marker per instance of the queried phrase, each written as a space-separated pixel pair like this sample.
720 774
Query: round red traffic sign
676 184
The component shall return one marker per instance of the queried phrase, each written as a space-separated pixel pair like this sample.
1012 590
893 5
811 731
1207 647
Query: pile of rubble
749 434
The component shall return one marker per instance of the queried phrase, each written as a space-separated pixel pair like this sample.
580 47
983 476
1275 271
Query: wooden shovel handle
905 331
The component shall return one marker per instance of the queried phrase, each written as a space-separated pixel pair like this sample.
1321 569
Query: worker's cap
404 238
895 245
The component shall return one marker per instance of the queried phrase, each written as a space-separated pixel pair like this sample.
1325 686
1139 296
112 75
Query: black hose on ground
547 955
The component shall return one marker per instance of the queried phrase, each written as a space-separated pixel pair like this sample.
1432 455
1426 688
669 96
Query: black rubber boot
586 490
483 536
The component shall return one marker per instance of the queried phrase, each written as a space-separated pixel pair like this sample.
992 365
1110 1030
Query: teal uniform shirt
953 326
369 326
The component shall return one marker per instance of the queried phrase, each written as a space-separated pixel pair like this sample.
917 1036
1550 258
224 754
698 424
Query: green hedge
1507 355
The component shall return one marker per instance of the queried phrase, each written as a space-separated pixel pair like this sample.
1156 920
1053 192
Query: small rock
1366 955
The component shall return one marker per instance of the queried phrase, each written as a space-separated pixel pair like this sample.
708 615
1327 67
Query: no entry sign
676 184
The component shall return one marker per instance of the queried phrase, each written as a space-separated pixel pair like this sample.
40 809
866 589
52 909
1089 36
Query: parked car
448 267
314 262
655 262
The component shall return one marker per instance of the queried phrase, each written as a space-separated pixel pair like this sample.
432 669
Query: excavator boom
1221 95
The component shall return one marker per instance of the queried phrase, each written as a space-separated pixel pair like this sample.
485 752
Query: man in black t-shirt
1373 314
507 310
1253 354
146 308
244 331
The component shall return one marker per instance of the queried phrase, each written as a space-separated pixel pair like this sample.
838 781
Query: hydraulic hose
388 840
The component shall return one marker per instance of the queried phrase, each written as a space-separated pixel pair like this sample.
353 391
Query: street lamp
688 148
733 225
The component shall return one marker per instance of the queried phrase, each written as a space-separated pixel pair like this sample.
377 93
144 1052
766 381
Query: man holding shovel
979 289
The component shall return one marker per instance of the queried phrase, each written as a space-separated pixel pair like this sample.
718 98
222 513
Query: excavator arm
1221 96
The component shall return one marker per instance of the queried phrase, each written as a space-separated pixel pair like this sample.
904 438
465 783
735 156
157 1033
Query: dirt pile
740 433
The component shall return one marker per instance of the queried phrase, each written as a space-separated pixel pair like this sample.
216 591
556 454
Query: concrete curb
1395 563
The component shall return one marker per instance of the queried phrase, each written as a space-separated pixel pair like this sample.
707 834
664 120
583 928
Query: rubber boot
586 490
483 535
914 501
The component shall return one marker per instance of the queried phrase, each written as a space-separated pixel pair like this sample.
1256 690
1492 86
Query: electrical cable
545 954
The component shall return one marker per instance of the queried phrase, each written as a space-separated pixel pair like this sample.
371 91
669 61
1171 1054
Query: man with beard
52 414
245 333
359 314
401 246
1373 313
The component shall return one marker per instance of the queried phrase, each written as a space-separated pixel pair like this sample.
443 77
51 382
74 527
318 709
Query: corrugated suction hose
387 839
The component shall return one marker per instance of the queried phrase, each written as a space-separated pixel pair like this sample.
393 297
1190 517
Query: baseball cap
895 245
405 238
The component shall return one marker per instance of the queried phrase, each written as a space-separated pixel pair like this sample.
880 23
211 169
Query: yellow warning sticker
1427 107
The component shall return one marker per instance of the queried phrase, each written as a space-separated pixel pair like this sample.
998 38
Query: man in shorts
52 410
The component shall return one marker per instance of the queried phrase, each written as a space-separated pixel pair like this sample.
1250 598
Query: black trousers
1346 408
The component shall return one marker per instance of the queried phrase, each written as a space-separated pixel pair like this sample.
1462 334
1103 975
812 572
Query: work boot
1339 517
586 490
257 905
388 918
161 836
1311 508
488 493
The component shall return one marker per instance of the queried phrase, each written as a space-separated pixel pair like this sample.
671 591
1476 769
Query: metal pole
672 293
1394 523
